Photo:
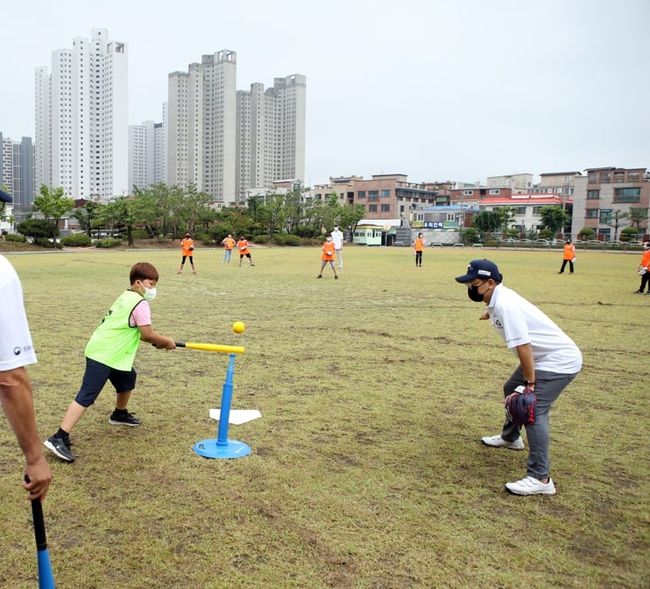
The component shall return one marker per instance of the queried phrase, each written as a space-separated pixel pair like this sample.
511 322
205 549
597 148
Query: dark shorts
95 378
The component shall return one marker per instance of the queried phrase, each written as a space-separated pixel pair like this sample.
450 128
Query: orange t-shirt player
328 255
644 269
418 248
242 246
187 251
569 255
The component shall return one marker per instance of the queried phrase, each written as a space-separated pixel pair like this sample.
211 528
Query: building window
373 195
385 192
495 191
627 195
591 213
385 208
593 194
603 177
468 192
605 216
361 194
519 210
372 208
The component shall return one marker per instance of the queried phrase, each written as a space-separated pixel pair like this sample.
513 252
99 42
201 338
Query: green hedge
76 240
108 242
17 237
46 243
286 239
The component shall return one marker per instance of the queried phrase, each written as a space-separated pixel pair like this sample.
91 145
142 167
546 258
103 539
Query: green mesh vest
115 342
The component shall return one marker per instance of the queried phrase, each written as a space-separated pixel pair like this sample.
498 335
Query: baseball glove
520 406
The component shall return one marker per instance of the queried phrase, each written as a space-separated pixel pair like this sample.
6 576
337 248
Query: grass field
367 470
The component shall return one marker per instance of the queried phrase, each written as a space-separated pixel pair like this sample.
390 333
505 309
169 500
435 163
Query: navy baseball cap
4 197
480 269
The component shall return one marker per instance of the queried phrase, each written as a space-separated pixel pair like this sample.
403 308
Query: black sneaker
125 418
59 447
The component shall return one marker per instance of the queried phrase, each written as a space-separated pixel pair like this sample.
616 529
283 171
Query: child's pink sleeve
141 315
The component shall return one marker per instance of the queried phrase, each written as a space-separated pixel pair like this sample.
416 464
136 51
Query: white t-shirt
337 238
16 347
520 322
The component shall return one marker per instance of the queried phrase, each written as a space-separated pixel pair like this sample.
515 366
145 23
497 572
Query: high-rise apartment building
148 153
142 155
160 148
201 134
226 142
17 170
82 119
271 133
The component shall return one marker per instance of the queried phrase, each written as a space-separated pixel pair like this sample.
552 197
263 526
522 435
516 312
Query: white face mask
149 293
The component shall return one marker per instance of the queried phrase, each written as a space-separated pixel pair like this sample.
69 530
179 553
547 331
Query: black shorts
95 378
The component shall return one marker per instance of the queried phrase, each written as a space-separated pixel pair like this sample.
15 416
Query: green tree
487 222
350 217
617 219
53 204
554 218
87 215
638 215
271 214
118 214
506 215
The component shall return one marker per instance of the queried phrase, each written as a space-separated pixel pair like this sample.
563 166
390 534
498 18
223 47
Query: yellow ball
238 327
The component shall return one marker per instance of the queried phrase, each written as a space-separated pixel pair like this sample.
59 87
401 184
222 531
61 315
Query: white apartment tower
201 133
82 119
142 155
148 153
271 133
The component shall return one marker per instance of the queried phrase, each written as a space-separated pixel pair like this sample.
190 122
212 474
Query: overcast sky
436 89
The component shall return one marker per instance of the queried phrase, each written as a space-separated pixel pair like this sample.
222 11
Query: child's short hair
143 271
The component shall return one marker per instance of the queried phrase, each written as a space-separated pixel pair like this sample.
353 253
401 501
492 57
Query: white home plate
237 416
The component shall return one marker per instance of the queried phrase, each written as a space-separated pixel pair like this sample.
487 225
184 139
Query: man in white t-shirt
337 238
548 361
16 352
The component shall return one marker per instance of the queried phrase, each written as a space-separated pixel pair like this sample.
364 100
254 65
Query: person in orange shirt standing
644 269
329 252
569 255
228 243
418 248
242 246
187 250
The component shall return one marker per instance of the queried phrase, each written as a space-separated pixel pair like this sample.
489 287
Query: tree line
162 211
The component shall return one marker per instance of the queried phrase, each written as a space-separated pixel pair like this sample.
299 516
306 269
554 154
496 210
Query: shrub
35 228
46 243
141 234
17 237
260 239
108 242
546 234
286 239
629 234
76 240
310 241
586 233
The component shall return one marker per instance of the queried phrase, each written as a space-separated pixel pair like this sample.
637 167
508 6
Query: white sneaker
531 486
499 442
